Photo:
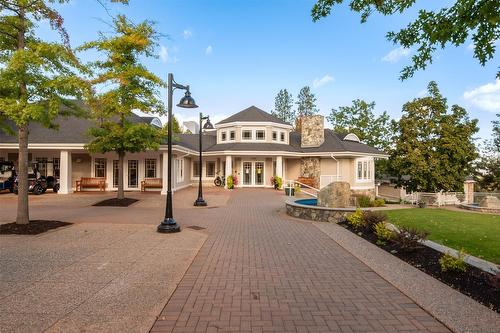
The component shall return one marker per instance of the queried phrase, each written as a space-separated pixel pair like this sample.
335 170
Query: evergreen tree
455 24
496 133
487 168
433 146
306 106
36 77
283 104
133 86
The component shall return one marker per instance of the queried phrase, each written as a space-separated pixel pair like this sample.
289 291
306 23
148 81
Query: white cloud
396 54
187 34
209 50
164 54
318 82
485 97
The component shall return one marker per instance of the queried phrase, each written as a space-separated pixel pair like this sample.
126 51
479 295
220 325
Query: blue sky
240 53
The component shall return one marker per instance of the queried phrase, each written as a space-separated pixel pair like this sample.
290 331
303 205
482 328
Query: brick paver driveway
260 271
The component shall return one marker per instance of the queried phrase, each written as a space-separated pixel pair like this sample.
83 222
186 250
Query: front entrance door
247 173
259 173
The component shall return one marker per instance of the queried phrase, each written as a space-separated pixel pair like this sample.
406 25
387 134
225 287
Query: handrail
291 183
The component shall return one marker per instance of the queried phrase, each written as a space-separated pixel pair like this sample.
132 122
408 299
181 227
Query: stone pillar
312 131
164 173
229 167
65 174
469 191
279 166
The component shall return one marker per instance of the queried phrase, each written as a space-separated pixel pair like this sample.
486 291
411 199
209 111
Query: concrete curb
457 311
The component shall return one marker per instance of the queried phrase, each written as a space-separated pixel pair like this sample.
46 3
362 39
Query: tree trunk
22 198
121 160
22 177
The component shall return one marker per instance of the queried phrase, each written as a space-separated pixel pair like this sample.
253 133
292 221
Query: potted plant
422 204
277 182
289 190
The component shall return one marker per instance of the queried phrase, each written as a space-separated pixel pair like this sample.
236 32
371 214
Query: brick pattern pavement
260 271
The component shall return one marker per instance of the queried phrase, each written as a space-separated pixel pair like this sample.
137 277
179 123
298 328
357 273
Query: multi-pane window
223 136
275 136
196 169
246 135
100 167
364 171
282 136
116 172
42 165
150 168
133 173
210 172
232 135
57 167
179 169
260 135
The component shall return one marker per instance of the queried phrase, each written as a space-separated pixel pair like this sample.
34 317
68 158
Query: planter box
289 191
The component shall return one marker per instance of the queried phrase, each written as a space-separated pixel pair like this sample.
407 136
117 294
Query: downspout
338 165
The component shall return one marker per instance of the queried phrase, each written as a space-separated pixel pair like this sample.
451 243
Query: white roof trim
253 123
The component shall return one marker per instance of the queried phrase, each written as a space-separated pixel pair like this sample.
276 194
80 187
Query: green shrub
378 203
450 263
356 219
410 238
371 218
364 201
230 182
278 182
382 232
297 188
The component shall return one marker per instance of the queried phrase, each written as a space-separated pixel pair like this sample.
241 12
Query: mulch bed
475 283
35 227
125 202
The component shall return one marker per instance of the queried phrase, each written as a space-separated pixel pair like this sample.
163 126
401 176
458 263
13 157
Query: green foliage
283 104
356 219
378 203
230 182
487 166
433 145
449 263
278 182
363 201
306 103
410 238
371 218
453 25
383 233
360 120
496 133
176 127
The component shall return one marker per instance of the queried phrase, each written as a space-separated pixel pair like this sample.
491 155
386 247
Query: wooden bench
90 182
151 183
307 181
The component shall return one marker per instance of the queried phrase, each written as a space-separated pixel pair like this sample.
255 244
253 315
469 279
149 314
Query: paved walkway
260 271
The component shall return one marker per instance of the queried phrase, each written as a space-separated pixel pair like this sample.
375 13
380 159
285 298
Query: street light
168 224
208 125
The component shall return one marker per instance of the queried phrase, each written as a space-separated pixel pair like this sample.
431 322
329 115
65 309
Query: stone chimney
312 131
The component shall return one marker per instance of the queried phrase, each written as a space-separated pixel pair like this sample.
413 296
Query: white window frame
366 165
263 131
233 132
94 169
282 136
243 130
206 169
193 166
153 162
273 134
179 169
223 136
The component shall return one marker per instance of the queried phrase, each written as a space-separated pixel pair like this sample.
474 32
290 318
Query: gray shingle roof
253 113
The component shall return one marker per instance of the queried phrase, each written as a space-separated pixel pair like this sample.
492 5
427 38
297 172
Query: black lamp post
168 224
208 125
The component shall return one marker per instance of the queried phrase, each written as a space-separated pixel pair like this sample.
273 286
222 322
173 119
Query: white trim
252 179
351 137
253 123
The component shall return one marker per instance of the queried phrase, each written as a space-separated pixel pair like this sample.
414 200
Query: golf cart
7 176
38 183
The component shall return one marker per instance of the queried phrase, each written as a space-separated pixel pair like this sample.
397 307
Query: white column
65 173
279 166
229 167
164 173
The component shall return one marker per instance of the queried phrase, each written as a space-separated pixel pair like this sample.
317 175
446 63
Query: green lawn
477 234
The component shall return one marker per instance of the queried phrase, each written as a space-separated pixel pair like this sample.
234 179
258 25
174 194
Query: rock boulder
336 194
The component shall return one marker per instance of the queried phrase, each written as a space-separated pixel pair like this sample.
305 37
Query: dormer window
275 136
232 135
246 135
282 136
260 135
223 136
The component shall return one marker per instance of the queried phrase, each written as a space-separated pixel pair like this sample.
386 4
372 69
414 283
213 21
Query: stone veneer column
469 191
65 173
279 166
229 167
164 173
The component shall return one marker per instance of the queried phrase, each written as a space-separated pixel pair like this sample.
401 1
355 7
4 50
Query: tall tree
433 146
487 168
496 133
36 77
432 29
132 86
360 120
283 104
306 106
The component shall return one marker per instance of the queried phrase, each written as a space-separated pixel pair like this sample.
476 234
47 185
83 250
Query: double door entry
253 173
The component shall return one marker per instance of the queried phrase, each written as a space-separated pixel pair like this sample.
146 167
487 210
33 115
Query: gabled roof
253 114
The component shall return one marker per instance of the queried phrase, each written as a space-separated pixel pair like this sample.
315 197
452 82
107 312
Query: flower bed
473 282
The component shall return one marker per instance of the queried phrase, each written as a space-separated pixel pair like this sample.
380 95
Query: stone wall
312 131
310 167
315 214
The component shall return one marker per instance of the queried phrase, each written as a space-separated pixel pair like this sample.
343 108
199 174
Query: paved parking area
260 271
